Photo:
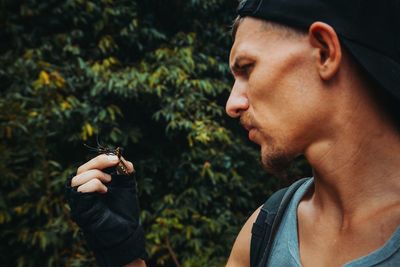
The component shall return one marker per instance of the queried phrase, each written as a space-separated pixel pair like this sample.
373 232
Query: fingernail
112 158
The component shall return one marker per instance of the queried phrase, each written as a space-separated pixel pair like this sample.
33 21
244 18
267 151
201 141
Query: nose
237 101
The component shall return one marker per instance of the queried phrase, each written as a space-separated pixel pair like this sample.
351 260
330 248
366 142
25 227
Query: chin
276 161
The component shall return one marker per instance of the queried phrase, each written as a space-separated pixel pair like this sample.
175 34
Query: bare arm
240 254
136 263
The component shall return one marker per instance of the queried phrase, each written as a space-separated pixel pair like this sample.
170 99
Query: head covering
369 29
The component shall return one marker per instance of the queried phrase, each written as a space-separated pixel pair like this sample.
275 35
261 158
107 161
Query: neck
357 169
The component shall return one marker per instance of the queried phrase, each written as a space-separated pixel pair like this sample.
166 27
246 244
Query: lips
248 127
251 129
245 121
252 134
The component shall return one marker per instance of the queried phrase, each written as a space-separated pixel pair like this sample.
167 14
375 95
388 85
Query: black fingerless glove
110 221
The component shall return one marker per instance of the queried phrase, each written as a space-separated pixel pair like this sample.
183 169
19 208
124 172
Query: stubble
274 159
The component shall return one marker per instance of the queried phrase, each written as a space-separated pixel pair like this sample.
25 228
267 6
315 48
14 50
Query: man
320 79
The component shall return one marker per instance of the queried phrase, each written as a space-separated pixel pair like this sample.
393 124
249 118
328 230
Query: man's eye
242 70
245 69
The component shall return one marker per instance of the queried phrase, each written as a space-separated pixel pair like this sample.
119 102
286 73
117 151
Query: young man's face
276 91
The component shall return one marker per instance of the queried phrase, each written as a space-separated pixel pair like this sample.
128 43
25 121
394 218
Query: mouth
251 130
247 124
252 134
248 127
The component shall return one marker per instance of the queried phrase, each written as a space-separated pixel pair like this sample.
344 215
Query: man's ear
327 49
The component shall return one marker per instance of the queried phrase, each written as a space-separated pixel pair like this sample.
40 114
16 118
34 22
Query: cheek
278 88
285 98
279 74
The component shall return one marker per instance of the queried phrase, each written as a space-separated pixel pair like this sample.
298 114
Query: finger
94 185
100 162
128 165
86 176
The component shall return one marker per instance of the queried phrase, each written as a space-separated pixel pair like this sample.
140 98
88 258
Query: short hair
286 31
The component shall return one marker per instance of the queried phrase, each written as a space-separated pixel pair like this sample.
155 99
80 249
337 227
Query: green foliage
151 76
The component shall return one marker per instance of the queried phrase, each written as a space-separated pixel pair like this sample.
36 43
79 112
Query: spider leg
94 149
122 168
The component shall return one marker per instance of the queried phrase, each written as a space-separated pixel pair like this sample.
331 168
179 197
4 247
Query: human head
368 29
289 32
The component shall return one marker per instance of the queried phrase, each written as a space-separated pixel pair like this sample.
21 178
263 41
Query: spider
121 167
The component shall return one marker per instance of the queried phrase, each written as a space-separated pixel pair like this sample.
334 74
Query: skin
303 95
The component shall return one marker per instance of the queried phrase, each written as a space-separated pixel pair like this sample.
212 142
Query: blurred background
150 76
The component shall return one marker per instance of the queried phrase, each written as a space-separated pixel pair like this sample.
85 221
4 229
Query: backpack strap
267 223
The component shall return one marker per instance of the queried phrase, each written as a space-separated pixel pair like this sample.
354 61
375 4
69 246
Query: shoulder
240 254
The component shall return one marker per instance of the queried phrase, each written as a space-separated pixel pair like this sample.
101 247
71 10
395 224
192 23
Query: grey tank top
285 249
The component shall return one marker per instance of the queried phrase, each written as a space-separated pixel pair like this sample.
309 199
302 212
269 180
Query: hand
90 177
106 208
